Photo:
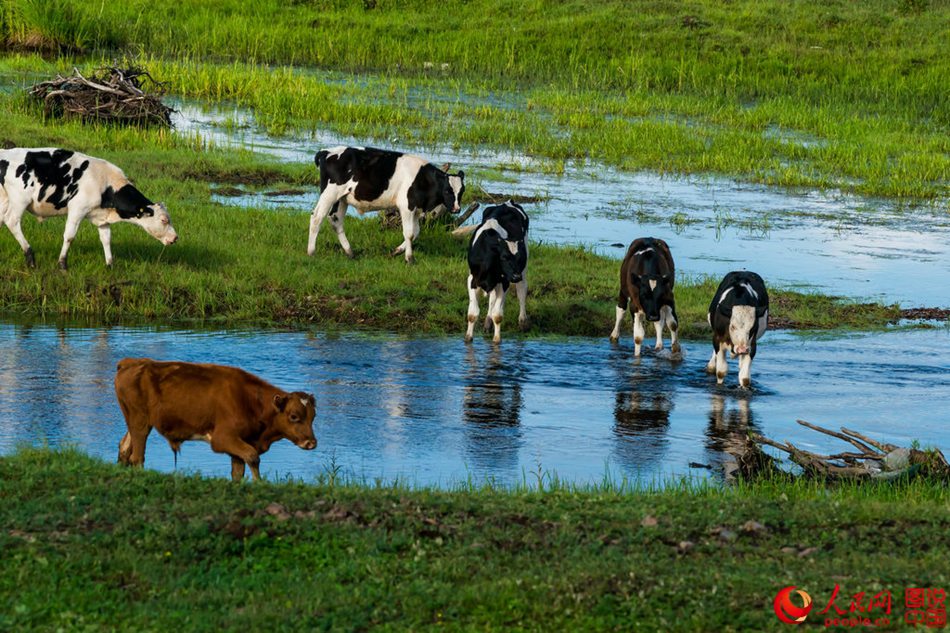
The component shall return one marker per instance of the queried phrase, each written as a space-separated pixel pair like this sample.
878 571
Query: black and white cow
375 180
739 316
50 182
498 258
647 277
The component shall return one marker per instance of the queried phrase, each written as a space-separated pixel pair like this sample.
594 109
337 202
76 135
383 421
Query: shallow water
438 412
840 244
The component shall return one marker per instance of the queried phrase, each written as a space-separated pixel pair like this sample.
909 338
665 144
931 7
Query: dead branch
112 94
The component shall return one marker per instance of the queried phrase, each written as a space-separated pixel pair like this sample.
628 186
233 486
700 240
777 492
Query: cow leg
325 204
73 218
105 236
488 312
622 302
711 365
237 468
521 288
721 367
237 449
336 220
14 225
409 231
658 326
498 311
472 311
671 323
638 331
745 370
133 444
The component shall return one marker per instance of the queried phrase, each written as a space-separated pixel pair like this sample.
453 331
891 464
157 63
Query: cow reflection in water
641 421
491 408
728 431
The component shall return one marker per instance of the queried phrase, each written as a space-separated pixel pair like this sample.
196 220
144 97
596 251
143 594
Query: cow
647 277
739 316
373 179
236 412
497 258
50 182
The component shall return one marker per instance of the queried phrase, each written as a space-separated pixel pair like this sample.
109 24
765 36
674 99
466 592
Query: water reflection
643 402
491 406
729 428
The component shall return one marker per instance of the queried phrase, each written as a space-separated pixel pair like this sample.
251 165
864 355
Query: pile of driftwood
871 460
128 96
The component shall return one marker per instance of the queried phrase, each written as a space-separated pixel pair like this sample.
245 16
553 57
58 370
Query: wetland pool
437 412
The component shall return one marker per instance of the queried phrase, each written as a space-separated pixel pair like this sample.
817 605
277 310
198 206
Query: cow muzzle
307 445
740 349
168 241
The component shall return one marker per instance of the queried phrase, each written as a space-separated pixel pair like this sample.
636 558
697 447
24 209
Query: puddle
839 244
438 412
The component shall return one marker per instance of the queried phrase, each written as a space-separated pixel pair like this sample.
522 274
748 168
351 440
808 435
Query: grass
838 95
235 266
94 547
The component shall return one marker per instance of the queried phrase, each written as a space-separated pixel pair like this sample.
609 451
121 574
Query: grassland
95 547
236 266
845 95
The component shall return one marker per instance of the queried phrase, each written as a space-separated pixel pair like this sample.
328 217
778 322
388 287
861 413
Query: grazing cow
237 413
48 182
739 316
375 180
497 258
647 277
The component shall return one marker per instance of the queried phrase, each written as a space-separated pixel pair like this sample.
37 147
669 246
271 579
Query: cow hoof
658 347
675 348
410 260
468 339
30 259
350 254
746 383
496 340
614 339
524 324
62 265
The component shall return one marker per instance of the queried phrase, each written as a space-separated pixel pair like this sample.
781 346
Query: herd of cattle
242 415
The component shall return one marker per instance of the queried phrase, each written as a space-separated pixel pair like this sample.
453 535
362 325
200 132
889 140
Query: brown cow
647 277
236 412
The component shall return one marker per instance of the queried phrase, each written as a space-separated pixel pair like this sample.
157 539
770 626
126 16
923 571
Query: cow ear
446 167
725 310
461 174
312 400
666 279
280 401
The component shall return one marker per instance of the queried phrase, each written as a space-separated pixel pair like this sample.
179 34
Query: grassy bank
236 266
844 95
90 546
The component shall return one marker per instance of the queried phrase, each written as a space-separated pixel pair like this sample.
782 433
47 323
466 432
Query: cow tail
465 230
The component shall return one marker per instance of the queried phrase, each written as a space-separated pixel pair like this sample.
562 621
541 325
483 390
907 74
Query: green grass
832 95
235 266
94 547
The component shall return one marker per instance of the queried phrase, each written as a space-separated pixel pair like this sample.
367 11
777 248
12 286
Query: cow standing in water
497 258
739 316
234 411
50 182
376 180
647 277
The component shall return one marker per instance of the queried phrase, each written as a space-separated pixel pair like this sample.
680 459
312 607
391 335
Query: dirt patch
496 198
926 314
285 192
227 192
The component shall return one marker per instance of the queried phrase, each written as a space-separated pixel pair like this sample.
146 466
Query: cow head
651 290
452 191
743 324
293 418
512 257
156 221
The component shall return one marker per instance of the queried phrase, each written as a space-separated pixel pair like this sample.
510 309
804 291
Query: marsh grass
92 546
840 95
